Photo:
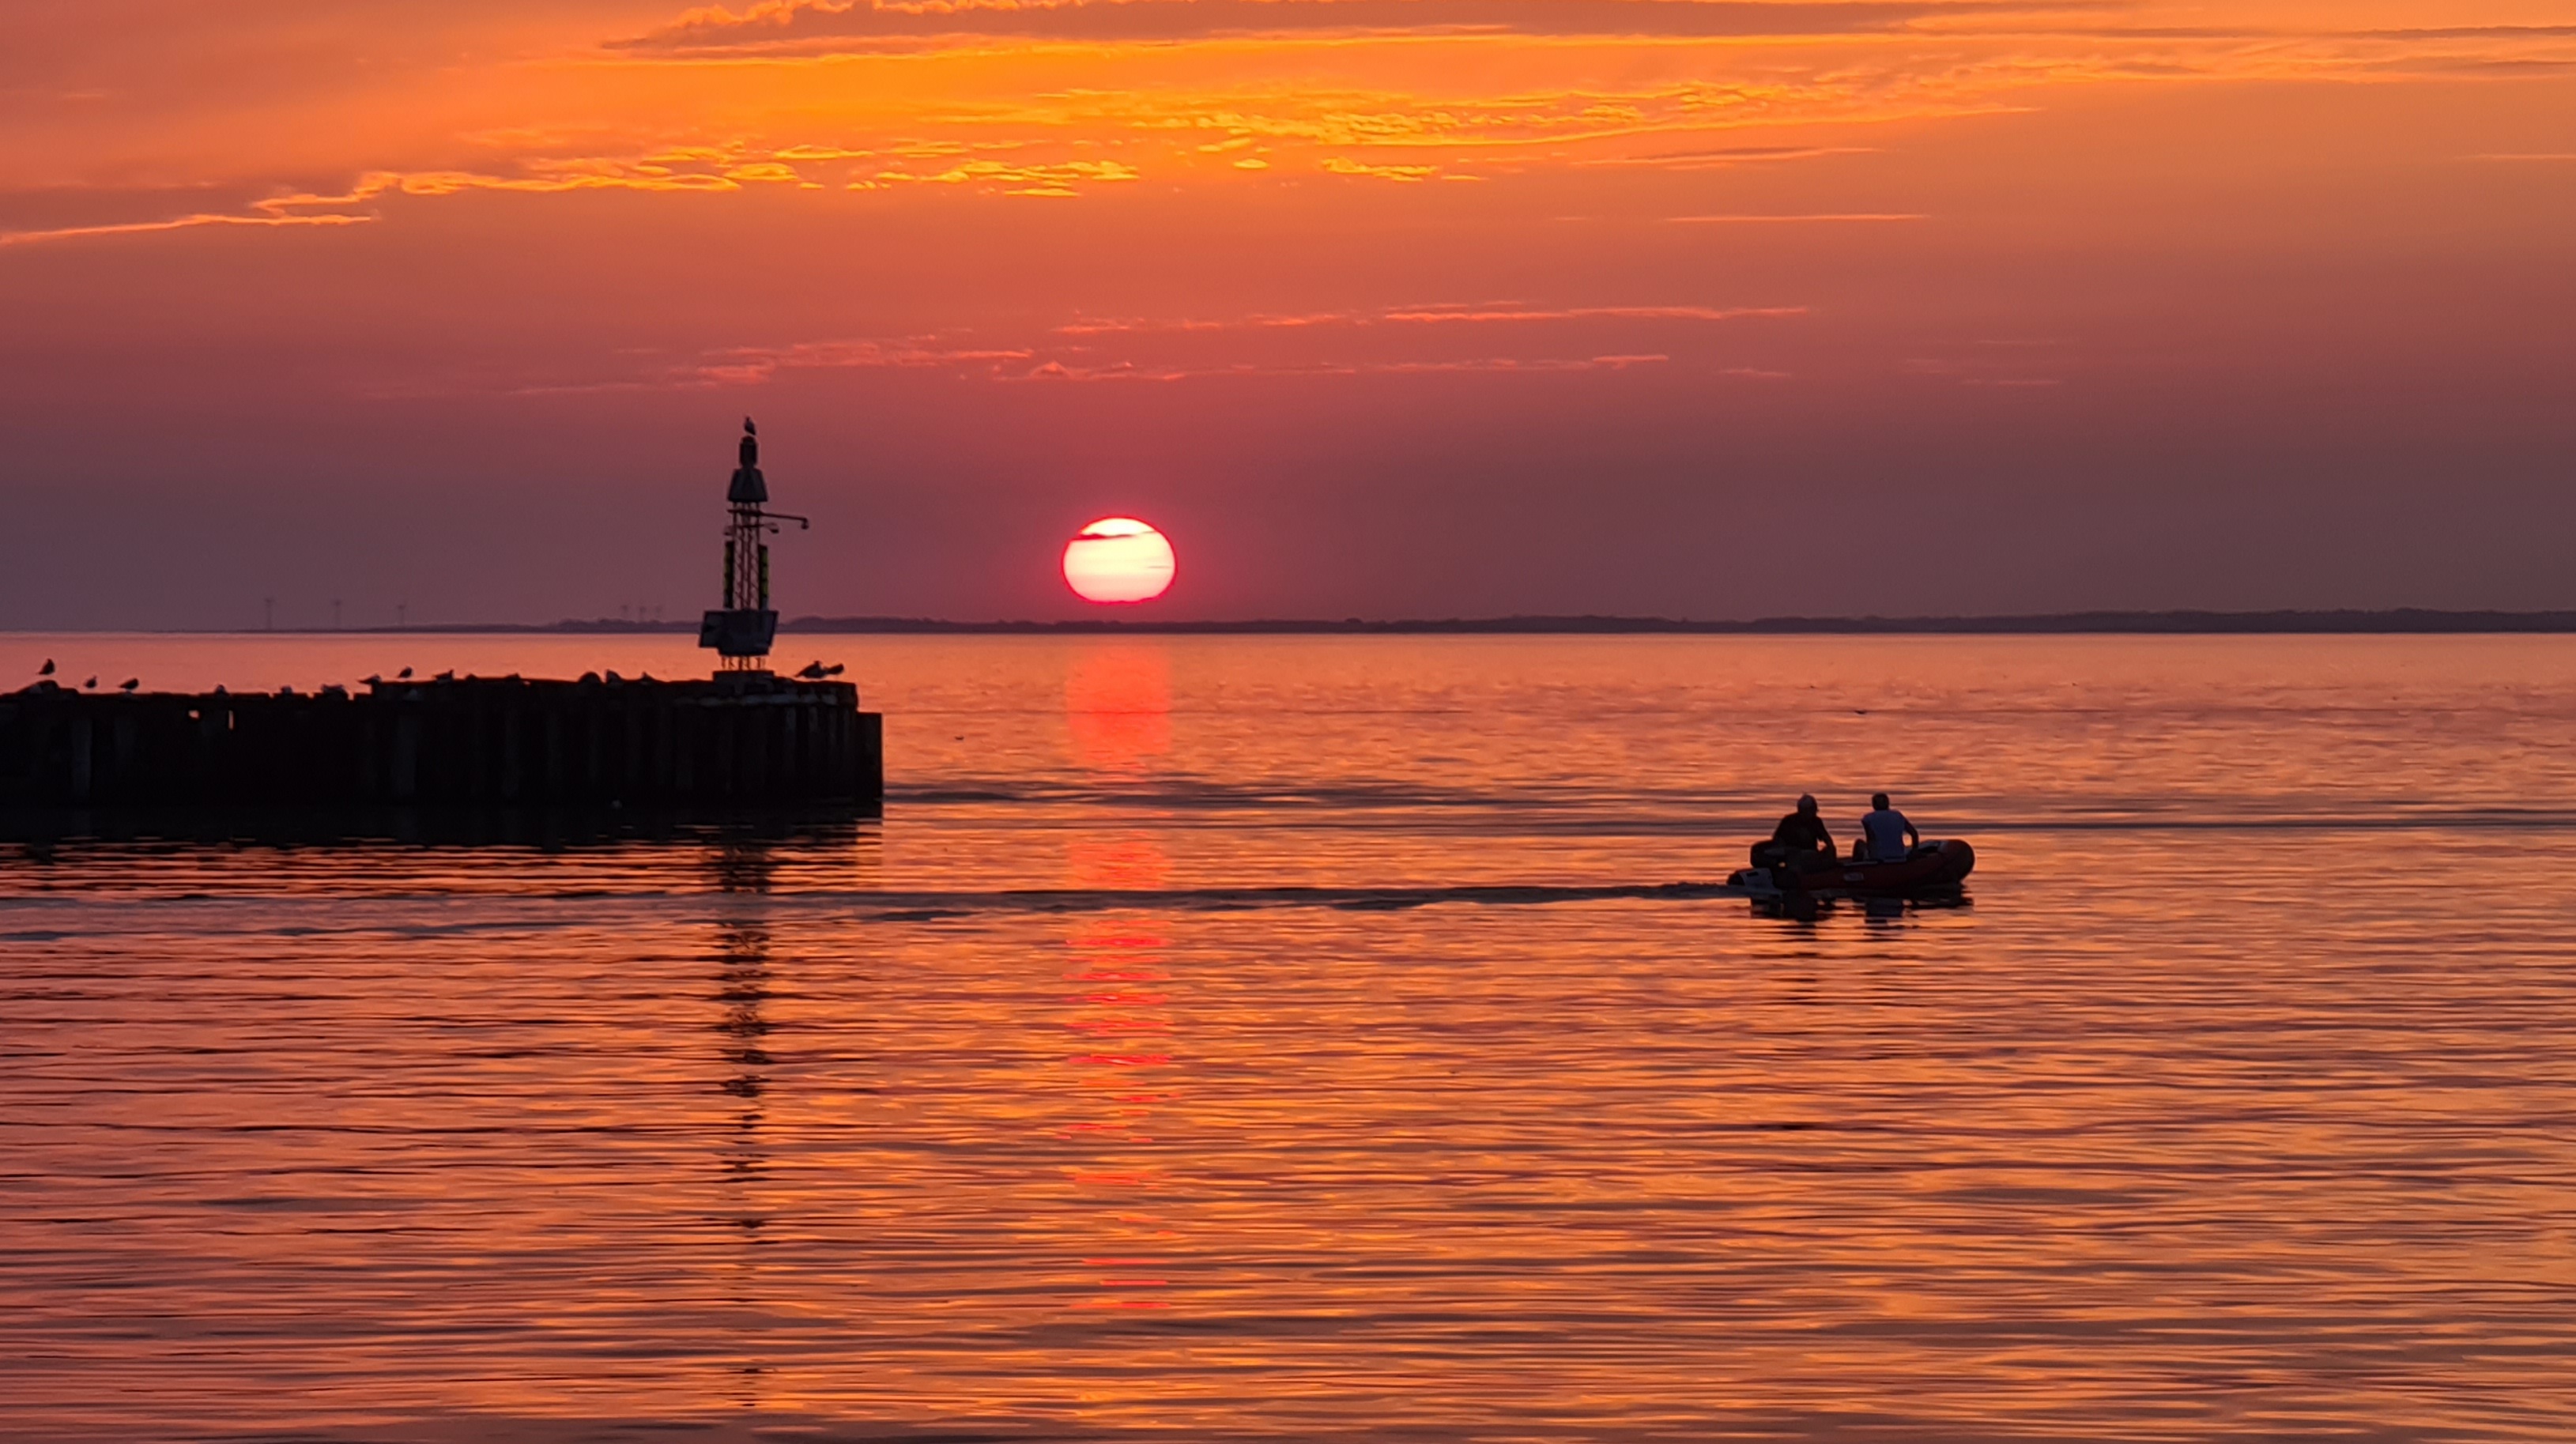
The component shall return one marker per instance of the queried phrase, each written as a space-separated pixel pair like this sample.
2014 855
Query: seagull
403 676
811 671
90 686
372 680
447 676
129 684
46 670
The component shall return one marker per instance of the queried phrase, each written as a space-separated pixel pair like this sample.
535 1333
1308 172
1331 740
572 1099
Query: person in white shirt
1889 835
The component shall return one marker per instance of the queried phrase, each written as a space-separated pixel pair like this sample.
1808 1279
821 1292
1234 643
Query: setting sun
1118 559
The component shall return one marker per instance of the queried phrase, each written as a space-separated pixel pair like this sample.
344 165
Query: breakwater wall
732 741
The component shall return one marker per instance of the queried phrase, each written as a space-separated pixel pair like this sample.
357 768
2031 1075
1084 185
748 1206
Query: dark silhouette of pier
739 740
744 738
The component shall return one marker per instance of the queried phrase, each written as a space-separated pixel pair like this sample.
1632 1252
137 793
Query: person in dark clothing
1800 840
1804 829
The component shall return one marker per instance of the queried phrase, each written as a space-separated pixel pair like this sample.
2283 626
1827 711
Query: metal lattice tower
742 630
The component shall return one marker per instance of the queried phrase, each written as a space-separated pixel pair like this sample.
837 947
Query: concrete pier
742 739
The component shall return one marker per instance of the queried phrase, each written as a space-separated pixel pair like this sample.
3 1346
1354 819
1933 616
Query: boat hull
1933 869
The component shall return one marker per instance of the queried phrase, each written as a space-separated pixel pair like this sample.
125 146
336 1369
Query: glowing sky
1379 307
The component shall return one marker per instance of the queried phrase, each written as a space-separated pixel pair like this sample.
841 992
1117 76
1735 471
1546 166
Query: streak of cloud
1818 219
822 26
1432 313
176 223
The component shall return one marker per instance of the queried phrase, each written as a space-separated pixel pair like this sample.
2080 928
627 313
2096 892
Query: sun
1118 559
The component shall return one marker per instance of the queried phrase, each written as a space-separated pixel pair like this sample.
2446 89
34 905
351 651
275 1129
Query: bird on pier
90 686
447 676
403 676
816 671
128 685
46 670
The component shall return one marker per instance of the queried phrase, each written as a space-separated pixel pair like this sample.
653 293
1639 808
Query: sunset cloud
1088 97
1826 218
824 26
1436 313
177 223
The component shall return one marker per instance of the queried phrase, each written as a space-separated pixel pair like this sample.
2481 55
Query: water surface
1280 1038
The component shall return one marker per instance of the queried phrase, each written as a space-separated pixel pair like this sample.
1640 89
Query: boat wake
934 906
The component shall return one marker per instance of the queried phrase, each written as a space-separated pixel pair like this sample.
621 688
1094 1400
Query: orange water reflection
1120 1015
1118 704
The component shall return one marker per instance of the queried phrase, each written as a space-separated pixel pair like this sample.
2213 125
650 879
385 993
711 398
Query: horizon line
2395 621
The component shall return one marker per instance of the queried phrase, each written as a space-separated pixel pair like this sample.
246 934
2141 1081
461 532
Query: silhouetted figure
128 685
90 686
1800 841
1804 829
1885 832
446 676
46 670
403 676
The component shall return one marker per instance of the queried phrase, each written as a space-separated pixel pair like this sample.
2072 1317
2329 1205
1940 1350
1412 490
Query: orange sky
1379 307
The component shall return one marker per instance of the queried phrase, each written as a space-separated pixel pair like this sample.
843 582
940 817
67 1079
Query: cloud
702 169
1014 179
1826 218
176 223
1729 157
1491 365
825 26
1343 165
1434 315
1075 357
1429 314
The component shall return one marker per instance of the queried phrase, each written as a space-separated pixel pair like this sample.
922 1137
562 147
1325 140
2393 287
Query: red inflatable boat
1931 869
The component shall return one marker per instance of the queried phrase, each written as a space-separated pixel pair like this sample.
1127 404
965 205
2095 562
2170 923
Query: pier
745 739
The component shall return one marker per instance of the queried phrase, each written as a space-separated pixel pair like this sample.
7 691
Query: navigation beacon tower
743 628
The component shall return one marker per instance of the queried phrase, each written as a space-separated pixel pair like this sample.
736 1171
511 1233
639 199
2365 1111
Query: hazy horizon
2393 621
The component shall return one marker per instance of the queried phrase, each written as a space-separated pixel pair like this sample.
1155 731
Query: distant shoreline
2407 621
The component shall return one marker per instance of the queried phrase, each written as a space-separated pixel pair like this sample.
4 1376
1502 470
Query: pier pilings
735 740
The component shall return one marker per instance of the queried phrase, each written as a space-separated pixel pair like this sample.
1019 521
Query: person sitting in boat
1799 840
1885 832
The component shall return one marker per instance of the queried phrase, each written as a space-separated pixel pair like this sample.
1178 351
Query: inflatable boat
1929 869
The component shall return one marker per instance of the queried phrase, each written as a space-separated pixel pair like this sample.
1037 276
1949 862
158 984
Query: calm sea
1294 1039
